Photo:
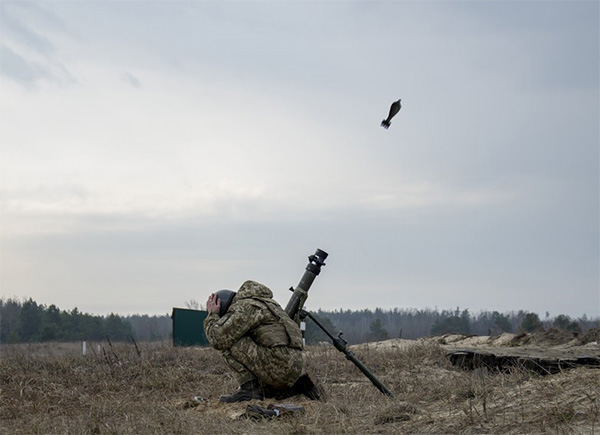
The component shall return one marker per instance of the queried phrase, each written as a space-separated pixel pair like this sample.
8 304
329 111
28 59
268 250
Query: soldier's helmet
226 297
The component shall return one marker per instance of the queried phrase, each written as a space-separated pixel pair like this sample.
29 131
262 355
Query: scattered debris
194 401
256 412
546 352
469 359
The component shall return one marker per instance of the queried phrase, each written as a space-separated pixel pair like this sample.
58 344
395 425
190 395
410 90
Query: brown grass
53 389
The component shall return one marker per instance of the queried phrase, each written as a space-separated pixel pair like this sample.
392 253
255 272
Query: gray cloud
255 139
486 258
131 79
563 36
22 34
28 52
14 66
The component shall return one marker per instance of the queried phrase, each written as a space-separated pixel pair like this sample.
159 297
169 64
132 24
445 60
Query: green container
188 327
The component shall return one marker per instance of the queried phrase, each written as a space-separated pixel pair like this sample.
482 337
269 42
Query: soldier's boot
305 385
248 391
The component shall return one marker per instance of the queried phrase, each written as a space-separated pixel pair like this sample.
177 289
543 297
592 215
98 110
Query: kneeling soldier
260 343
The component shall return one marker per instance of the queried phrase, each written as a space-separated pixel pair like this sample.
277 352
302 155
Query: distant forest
27 321
367 325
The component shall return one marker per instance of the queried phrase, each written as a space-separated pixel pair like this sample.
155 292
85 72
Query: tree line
367 325
27 321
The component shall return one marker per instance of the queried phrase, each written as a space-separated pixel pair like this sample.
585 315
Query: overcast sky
154 152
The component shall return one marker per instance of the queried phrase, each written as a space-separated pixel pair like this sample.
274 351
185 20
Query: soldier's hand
213 304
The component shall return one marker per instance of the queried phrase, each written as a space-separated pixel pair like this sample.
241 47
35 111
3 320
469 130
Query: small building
188 327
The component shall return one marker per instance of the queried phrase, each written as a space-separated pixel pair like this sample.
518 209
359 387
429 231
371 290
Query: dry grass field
124 389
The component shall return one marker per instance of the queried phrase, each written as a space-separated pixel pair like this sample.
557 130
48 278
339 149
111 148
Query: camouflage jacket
253 312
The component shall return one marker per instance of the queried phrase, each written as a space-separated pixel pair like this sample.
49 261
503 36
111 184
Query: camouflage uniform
257 339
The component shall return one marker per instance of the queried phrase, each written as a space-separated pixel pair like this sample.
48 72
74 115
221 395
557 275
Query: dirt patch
551 337
546 352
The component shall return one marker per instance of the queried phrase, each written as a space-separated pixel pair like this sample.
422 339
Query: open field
53 389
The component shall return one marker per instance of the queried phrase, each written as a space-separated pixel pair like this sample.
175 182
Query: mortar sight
316 261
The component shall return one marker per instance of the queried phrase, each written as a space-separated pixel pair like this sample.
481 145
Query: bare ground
46 389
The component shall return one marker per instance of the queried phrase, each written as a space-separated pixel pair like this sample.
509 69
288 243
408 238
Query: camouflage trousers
278 367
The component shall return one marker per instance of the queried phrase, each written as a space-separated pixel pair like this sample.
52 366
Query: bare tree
193 304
